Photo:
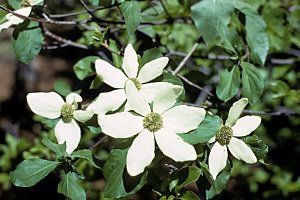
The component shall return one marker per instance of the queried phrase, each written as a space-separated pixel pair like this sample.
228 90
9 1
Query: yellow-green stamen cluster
67 113
136 82
153 122
224 136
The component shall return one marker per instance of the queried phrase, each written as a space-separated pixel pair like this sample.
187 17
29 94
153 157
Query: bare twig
165 9
284 112
99 142
185 59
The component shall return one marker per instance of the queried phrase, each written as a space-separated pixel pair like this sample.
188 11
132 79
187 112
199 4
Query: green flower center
224 136
153 122
67 113
136 82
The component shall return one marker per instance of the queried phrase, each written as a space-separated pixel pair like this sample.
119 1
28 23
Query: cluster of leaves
232 28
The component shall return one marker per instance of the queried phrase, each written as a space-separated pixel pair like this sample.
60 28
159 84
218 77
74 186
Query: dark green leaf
258 146
31 171
58 149
151 54
206 130
256 36
28 42
70 187
189 195
62 87
113 172
132 13
15 4
85 154
253 82
186 176
229 83
96 83
85 67
211 19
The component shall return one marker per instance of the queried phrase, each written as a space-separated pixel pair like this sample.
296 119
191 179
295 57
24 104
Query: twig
182 63
99 142
284 112
194 85
165 9
48 20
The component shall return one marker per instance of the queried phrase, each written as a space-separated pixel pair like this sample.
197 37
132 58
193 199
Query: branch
185 59
99 142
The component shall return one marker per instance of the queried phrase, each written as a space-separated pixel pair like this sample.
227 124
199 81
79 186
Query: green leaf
211 19
253 82
85 154
28 41
186 176
132 13
256 36
31 171
189 195
113 173
62 87
58 149
151 54
70 187
85 67
15 4
259 148
229 83
206 130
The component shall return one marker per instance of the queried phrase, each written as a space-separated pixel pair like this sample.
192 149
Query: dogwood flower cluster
151 115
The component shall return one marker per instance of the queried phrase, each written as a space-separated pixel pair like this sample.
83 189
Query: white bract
162 124
52 106
117 78
228 137
14 20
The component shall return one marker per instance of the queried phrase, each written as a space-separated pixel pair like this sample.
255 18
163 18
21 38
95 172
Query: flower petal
108 101
121 125
110 74
152 69
130 62
69 133
212 140
45 104
136 100
150 90
235 111
241 151
245 125
83 115
166 98
13 19
217 159
141 153
182 119
73 98
5 25
174 147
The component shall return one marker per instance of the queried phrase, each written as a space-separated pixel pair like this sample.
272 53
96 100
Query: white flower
161 123
51 105
227 137
14 20
116 78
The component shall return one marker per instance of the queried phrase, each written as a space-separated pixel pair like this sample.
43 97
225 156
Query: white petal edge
130 62
235 111
136 100
152 69
182 119
217 159
73 98
212 140
110 74
150 90
241 151
166 98
83 115
121 125
69 133
141 153
245 125
5 25
16 20
108 101
45 104
174 147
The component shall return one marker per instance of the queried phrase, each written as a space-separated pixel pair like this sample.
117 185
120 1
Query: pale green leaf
85 67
